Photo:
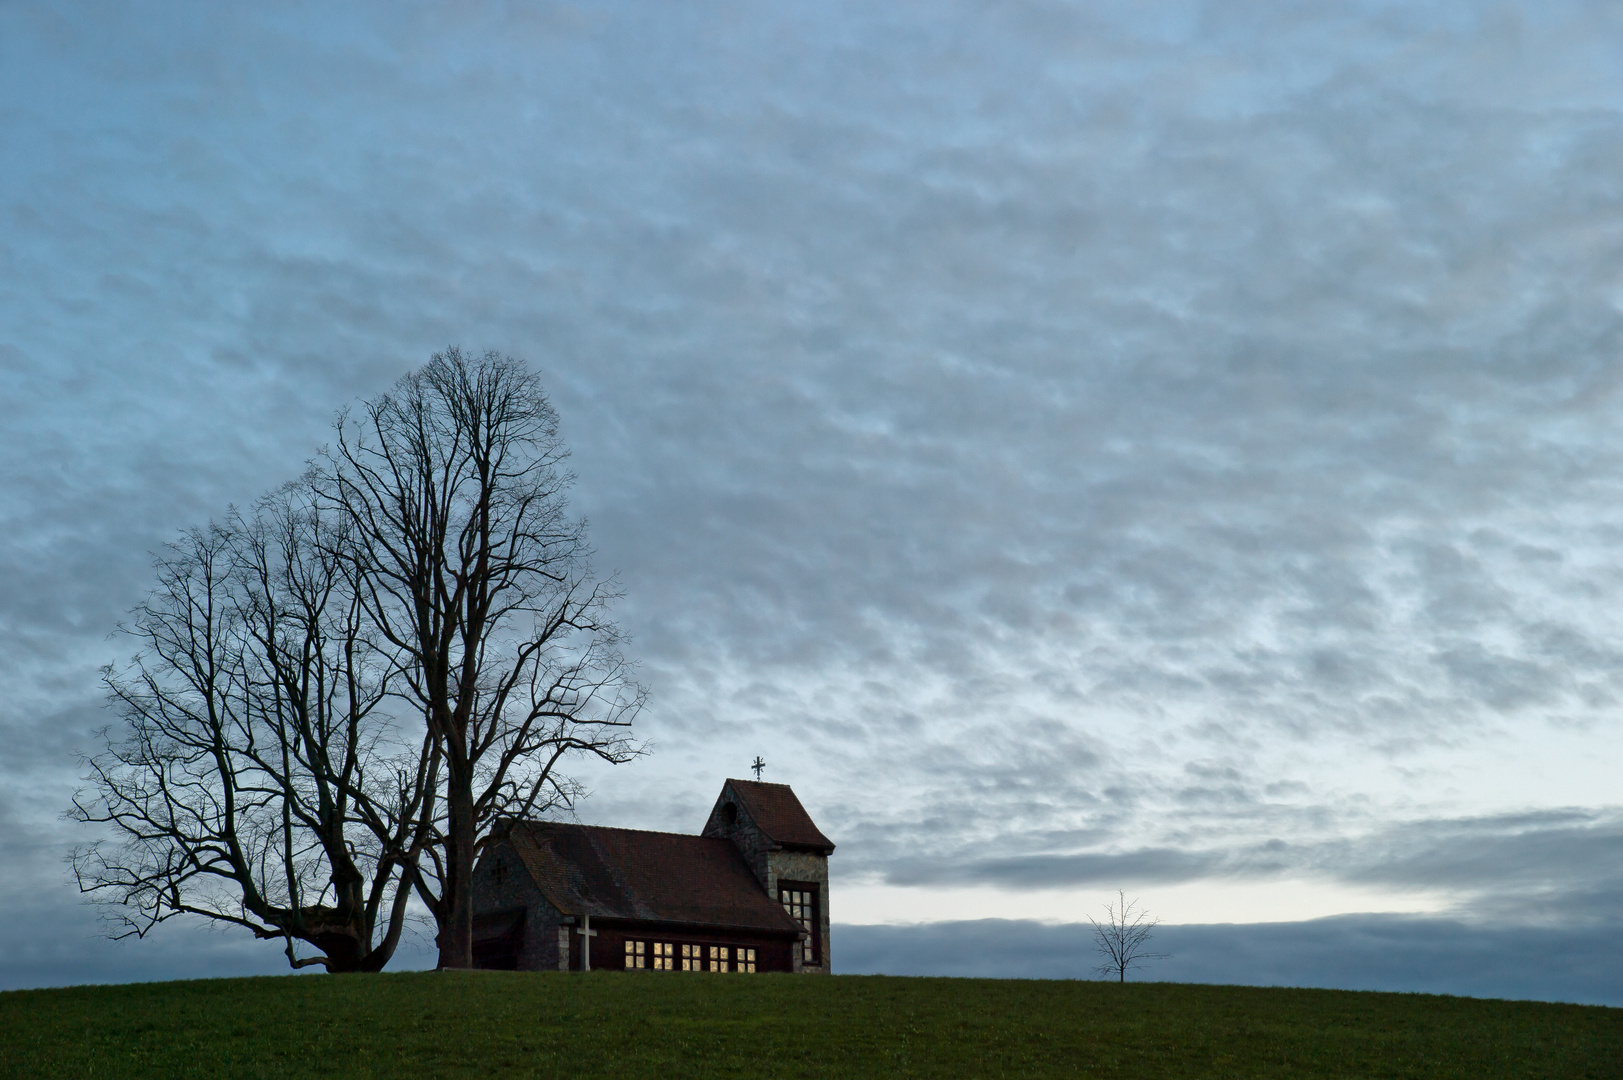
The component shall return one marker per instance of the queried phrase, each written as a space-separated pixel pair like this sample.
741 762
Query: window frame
813 891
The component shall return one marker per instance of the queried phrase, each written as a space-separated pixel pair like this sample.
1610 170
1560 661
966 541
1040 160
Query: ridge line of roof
618 828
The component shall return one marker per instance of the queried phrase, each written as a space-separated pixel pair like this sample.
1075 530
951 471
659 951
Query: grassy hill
778 1027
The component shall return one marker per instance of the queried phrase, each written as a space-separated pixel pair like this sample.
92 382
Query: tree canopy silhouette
336 695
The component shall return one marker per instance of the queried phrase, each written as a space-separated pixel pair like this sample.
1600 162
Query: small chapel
748 894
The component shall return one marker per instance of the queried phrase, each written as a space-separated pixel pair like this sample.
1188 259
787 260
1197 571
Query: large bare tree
337 696
254 779
452 488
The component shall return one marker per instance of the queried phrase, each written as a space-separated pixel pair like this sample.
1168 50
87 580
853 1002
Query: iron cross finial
758 765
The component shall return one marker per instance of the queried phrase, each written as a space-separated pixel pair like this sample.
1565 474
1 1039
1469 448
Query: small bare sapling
1122 940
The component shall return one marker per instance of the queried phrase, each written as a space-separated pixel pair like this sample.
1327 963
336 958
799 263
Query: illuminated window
664 956
718 958
693 958
745 959
636 956
800 901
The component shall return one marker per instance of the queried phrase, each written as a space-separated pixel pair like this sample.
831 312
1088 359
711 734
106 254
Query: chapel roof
650 876
777 812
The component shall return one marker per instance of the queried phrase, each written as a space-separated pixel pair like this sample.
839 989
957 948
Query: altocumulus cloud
1076 444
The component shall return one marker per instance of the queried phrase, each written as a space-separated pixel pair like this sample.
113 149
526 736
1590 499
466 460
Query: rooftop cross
758 765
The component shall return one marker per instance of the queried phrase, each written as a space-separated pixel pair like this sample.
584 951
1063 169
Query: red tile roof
658 877
778 813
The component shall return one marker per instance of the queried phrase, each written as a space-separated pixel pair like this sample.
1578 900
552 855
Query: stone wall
750 841
540 948
803 866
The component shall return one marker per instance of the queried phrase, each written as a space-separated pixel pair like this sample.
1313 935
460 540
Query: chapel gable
787 852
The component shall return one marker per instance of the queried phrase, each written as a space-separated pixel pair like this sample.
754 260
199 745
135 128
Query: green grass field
777 1027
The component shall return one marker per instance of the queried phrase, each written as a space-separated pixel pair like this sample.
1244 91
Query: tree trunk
456 935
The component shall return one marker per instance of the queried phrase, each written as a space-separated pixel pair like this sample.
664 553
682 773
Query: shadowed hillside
497 1024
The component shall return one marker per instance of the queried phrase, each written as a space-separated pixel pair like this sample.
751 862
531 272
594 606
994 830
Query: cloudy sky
1172 447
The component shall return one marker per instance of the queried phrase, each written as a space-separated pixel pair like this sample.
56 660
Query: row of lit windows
662 956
